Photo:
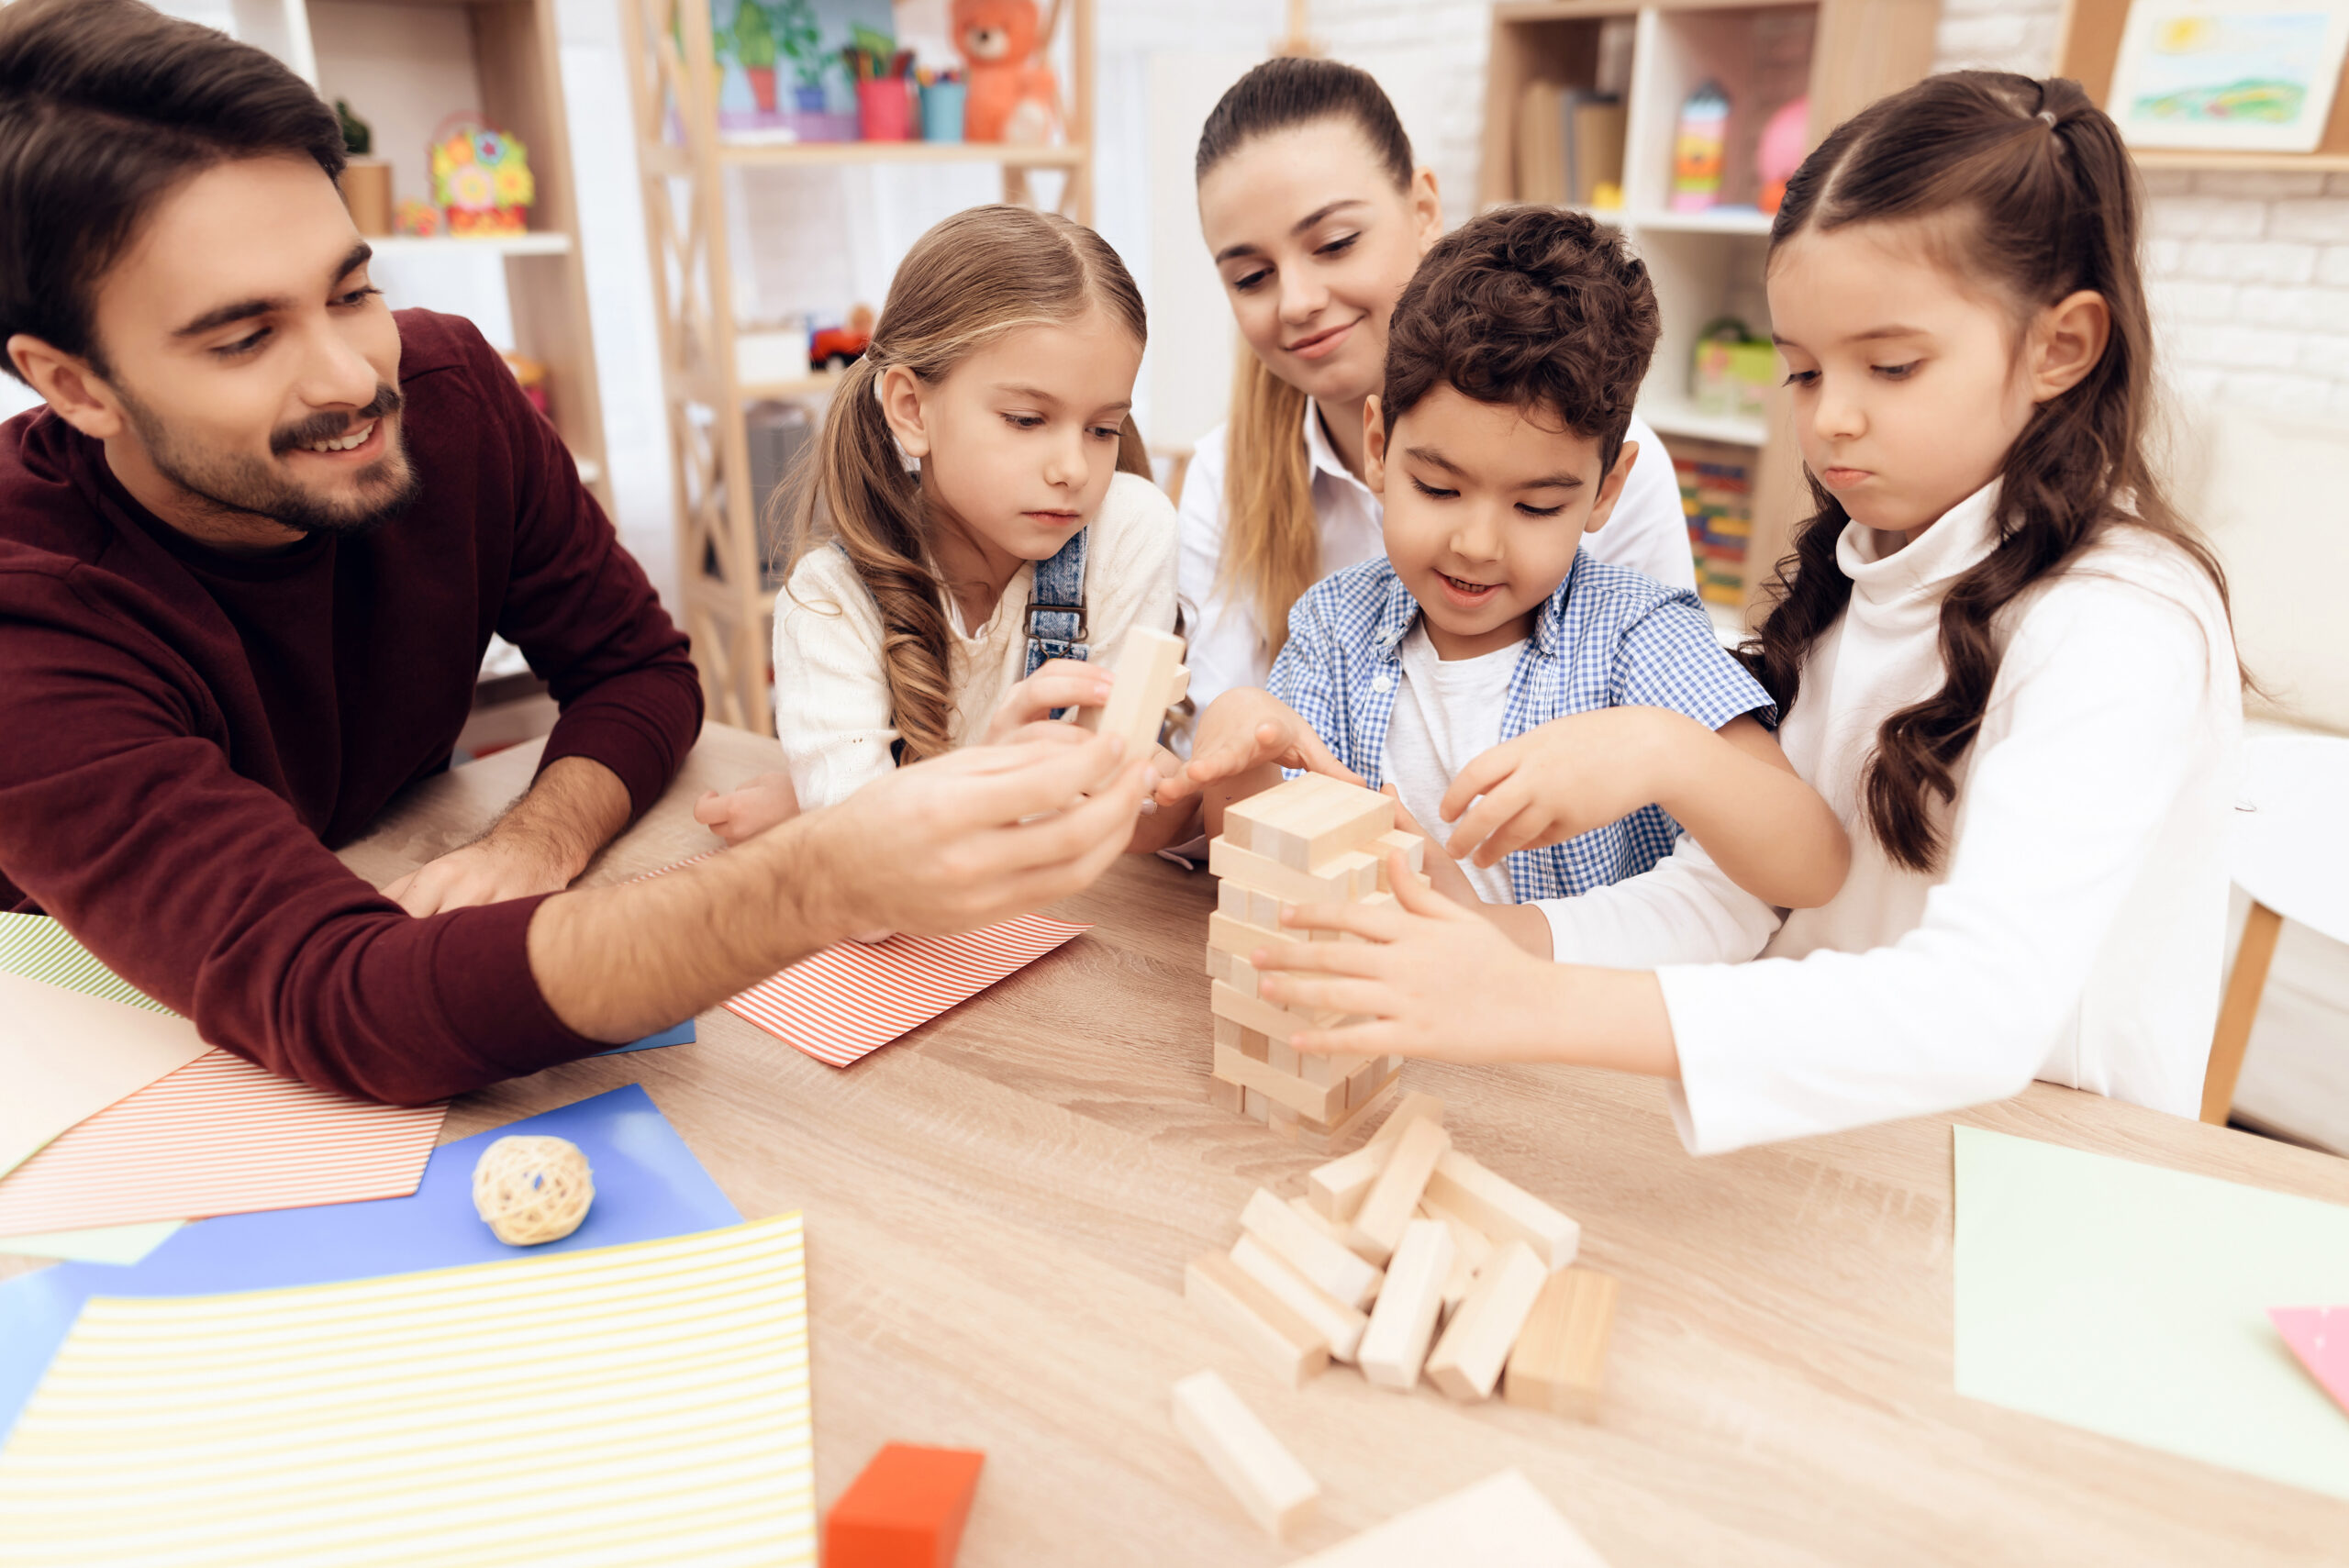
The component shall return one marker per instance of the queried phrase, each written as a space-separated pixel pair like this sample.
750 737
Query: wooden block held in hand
1246 1457
1560 1362
1503 1210
1386 1207
905 1511
1265 1327
1141 679
1336 1322
1327 1265
1467 1361
1404 1320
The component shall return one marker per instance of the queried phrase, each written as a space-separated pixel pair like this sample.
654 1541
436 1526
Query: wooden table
999 1206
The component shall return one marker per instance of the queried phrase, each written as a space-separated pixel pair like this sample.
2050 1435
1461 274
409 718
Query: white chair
2290 853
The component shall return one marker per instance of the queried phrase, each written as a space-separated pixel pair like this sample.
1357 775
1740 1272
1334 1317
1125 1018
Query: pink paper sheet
841 1004
2319 1337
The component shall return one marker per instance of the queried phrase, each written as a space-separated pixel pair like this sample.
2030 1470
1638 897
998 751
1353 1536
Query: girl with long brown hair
1316 217
943 602
2000 656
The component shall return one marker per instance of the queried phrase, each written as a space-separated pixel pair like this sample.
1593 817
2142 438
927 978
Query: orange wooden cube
906 1511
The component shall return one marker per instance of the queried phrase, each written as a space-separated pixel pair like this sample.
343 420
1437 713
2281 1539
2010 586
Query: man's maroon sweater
184 733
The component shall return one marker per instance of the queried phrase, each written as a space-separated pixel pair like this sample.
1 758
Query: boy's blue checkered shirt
1608 638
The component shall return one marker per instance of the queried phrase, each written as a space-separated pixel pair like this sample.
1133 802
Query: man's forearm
573 809
616 963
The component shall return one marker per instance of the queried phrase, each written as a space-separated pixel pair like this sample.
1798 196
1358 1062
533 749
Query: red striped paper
219 1136
841 1003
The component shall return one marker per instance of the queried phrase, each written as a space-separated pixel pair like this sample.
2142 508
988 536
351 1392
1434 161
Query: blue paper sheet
648 1184
681 1035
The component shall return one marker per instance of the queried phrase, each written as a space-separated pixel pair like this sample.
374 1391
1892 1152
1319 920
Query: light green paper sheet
119 1244
2132 1301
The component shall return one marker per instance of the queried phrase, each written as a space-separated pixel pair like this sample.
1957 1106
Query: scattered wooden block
1335 1190
1403 1321
1335 1321
905 1510
1323 1263
1340 881
1146 679
1471 1250
1560 1362
1378 1223
1254 1467
1265 1327
1309 820
1415 1105
1315 1217
1503 1210
1497 1523
1467 1361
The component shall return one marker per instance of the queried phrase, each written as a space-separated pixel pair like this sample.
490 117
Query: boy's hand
1435 980
750 810
1246 729
1557 780
1443 872
1057 683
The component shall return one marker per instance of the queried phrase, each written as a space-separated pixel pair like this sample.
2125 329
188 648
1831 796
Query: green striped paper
38 948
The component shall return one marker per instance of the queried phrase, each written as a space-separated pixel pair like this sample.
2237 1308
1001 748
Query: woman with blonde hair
1316 217
951 601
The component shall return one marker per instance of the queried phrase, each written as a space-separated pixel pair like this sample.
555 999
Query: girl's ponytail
973 277
2044 202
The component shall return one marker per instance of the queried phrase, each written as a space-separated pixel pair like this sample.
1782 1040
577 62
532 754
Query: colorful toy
1698 147
1014 96
481 177
419 218
837 348
1779 153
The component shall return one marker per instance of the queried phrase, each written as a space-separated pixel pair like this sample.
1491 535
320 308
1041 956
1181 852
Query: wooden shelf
538 243
2089 53
2192 158
1675 418
797 154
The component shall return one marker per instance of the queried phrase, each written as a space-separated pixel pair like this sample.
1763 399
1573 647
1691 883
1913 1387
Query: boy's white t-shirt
1447 712
831 697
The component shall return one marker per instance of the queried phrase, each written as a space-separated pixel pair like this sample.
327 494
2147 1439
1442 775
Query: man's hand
976 836
1436 980
544 839
749 809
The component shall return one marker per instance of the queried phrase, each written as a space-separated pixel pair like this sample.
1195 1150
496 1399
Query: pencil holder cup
885 110
941 111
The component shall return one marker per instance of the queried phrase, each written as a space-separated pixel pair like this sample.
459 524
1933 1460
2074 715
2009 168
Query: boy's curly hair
1529 306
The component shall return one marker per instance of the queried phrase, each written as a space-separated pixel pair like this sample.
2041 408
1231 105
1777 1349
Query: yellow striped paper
645 1404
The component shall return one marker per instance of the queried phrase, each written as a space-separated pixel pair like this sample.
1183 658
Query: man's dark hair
1529 306
105 106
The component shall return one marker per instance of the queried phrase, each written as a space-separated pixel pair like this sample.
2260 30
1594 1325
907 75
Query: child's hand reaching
750 810
1557 780
1247 728
1057 683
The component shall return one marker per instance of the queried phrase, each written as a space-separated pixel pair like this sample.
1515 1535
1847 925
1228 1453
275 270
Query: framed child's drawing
2229 76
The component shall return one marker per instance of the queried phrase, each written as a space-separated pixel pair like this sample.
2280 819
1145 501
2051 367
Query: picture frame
2229 76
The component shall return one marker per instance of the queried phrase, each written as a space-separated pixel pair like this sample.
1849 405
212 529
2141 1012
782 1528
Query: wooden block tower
1310 840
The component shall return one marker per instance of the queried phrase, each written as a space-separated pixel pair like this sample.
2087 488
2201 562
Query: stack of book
1719 500
1569 144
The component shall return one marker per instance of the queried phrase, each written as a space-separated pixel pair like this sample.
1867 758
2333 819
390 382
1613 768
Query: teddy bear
1013 95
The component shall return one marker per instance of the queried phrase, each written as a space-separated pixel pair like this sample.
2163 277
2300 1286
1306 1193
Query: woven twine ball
532 1189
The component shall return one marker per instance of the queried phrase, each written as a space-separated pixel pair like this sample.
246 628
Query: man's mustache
332 426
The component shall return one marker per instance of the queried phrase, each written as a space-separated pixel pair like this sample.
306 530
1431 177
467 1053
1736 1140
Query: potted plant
801 41
366 179
754 46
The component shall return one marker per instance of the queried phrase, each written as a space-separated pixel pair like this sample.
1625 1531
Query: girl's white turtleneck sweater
2075 928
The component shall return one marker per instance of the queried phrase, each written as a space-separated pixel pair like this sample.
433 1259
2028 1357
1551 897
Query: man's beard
234 483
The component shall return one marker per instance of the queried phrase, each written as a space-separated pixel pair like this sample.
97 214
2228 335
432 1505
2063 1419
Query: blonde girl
1999 655
977 517
1316 217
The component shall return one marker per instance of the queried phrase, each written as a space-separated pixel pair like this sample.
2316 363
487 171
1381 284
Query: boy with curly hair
1485 648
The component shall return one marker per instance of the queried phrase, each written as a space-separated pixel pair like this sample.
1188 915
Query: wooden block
1335 1190
1358 1120
1265 1328
1467 1361
1264 1476
1328 1266
1218 965
1239 937
1503 1210
1335 1321
1252 1104
1340 882
1378 1223
1414 848
1369 1080
1497 1523
1255 1013
1242 1038
1472 1250
1224 1095
1330 1067
1303 1208
1307 821
1560 1362
1141 679
1403 1321
905 1510
1300 1098
1415 1105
